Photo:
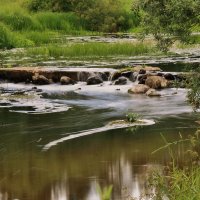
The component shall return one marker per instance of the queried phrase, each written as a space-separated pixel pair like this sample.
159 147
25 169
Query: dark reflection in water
72 170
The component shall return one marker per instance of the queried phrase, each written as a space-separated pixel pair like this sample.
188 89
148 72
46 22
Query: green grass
93 50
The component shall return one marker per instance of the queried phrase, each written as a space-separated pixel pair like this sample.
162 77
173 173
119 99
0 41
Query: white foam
143 122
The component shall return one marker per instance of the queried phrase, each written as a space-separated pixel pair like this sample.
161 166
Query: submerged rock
40 80
139 89
94 80
65 80
153 93
156 82
121 81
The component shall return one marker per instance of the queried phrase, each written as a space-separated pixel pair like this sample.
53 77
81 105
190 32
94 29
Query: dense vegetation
23 23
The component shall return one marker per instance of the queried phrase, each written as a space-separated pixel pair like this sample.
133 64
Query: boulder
153 93
94 80
142 78
65 80
139 89
159 74
115 76
156 82
121 81
127 74
104 76
169 77
142 71
40 80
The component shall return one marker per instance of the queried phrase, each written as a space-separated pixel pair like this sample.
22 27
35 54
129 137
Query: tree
168 20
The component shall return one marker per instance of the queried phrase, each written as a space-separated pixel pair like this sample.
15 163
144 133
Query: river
71 169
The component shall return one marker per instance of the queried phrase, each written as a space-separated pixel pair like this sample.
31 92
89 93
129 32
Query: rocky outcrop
25 74
121 81
94 80
65 80
156 82
139 89
40 80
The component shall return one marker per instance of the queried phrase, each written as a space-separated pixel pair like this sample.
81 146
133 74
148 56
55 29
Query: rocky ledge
147 80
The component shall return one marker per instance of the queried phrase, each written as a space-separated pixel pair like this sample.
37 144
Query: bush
108 16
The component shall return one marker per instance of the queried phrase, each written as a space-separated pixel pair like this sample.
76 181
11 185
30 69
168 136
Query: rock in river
121 81
156 82
153 93
94 80
65 80
139 89
40 80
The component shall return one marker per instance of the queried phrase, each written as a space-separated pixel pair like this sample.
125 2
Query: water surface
72 169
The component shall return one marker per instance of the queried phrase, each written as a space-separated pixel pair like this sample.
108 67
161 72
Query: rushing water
71 169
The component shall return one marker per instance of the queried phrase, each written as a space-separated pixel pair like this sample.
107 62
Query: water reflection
59 191
3 195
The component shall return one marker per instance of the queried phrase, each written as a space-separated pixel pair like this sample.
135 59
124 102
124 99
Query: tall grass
179 181
66 22
10 40
93 50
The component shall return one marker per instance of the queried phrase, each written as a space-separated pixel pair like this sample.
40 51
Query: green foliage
105 193
168 20
132 117
108 16
51 5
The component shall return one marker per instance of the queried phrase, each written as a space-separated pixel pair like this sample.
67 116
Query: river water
71 169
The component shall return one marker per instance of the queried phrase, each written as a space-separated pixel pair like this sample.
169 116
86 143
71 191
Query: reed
94 50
